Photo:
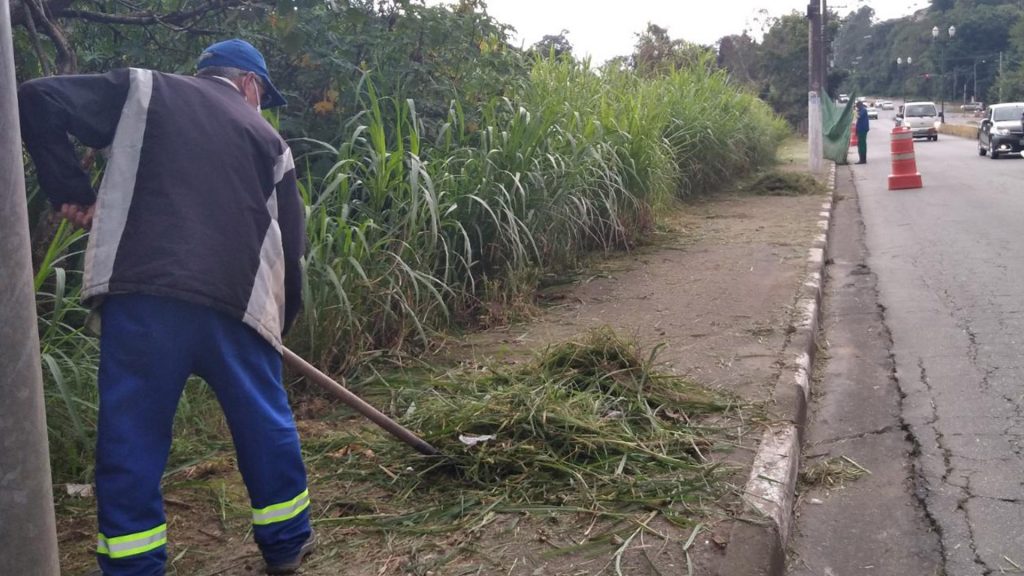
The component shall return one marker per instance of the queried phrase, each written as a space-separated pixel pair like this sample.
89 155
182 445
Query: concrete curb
757 545
961 130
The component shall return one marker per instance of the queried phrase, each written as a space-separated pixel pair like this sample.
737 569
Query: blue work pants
148 348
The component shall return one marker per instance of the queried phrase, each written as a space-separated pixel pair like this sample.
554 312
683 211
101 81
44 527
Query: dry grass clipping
832 472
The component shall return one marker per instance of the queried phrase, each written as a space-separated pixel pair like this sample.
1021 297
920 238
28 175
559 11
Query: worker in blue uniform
194 267
862 133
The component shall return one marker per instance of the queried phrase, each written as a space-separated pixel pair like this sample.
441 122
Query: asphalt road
949 262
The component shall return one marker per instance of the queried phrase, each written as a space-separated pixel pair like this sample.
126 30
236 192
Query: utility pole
28 534
814 129
824 48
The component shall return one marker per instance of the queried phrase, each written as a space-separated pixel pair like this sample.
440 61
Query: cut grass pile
781 183
589 426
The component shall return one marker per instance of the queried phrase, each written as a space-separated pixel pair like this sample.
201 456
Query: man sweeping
193 263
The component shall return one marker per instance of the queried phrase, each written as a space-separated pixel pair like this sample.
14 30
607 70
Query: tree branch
63 9
67 63
147 18
41 16
33 35
20 9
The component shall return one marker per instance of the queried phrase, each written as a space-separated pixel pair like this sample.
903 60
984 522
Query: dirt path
715 290
716 293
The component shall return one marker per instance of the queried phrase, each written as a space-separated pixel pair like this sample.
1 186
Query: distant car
872 113
843 98
921 117
886 105
1001 130
972 107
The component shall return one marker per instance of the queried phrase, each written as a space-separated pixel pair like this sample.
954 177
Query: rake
357 403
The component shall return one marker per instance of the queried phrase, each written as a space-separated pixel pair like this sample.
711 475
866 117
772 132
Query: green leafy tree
556 45
784 57
318 51
983 30
429 53
1010 85
739 55
867 51
57 36
852 40
656 53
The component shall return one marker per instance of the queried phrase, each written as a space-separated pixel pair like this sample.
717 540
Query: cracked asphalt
942 415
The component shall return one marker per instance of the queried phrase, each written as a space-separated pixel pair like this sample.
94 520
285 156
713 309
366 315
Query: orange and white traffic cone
904 164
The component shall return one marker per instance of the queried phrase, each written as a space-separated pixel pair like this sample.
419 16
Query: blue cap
240 54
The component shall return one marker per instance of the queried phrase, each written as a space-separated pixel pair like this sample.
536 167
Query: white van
921 117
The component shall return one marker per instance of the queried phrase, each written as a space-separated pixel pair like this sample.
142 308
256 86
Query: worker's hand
79 216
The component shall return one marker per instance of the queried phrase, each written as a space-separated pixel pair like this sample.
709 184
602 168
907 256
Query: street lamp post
903 73
974 96
942 70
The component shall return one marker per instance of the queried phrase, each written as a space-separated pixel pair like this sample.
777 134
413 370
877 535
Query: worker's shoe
289 567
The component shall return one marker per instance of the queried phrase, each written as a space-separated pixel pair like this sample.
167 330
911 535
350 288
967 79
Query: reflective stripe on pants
132 544
281 512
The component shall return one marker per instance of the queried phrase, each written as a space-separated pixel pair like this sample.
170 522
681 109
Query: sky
603 29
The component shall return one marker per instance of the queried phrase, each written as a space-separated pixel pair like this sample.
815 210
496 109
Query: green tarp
836 121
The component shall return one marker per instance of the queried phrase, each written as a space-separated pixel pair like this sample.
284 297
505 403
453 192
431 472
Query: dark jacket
198 201
862 120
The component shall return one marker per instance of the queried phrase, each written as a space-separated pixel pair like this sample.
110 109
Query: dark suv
1001 130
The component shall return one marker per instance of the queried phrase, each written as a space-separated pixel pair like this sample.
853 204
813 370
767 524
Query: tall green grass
69 355
410 232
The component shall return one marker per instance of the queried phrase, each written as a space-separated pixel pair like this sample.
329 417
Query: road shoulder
874 524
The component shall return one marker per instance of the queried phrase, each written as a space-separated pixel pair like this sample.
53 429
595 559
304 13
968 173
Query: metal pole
906 82
942 82
974 87
1001 76
28 533
903 75
952 91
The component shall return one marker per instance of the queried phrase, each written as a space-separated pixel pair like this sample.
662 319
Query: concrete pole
28 534
815 138
815 147
824 49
